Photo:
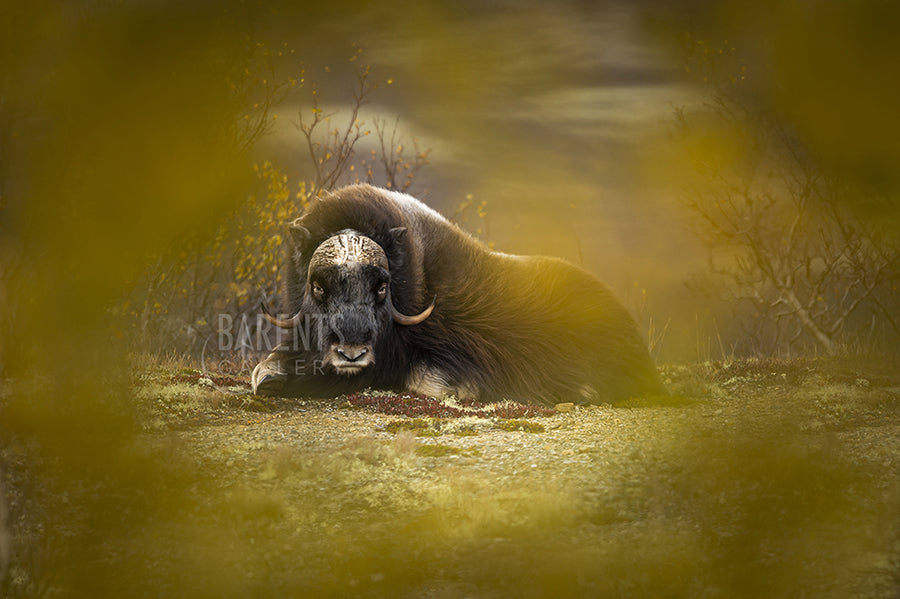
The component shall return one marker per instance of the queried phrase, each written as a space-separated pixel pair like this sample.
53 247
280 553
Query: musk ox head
348 284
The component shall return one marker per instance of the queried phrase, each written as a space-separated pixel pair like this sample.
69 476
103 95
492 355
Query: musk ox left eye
381 291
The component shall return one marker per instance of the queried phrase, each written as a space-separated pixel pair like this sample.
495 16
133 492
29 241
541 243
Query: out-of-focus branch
782 235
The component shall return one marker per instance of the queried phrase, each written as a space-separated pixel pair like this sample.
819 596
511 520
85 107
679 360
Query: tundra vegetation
134 461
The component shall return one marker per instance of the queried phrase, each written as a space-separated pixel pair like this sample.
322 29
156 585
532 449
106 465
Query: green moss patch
657 401
420 427
436 451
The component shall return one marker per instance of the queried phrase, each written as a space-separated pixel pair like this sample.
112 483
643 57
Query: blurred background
729 168
726 167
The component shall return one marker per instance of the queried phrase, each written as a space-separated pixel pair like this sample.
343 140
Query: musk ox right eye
318 291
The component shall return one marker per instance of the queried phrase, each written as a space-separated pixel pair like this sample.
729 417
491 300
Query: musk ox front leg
271 375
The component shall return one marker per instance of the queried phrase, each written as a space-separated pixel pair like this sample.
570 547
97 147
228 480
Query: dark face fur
347 294
352 298
348 285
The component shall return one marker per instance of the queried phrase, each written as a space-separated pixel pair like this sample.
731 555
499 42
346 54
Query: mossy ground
762 478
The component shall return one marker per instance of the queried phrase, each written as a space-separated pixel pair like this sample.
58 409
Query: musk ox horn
403 319
289 323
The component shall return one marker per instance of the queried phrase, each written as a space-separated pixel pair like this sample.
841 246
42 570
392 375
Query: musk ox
382 291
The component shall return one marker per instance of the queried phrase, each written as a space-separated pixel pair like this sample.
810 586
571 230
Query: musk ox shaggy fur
383 292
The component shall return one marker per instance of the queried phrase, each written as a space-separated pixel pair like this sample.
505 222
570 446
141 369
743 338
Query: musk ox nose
351 353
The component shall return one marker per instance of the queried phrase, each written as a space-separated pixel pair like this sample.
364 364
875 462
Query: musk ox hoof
267 380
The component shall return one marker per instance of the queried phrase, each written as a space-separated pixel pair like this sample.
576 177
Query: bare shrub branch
183 293
784 239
